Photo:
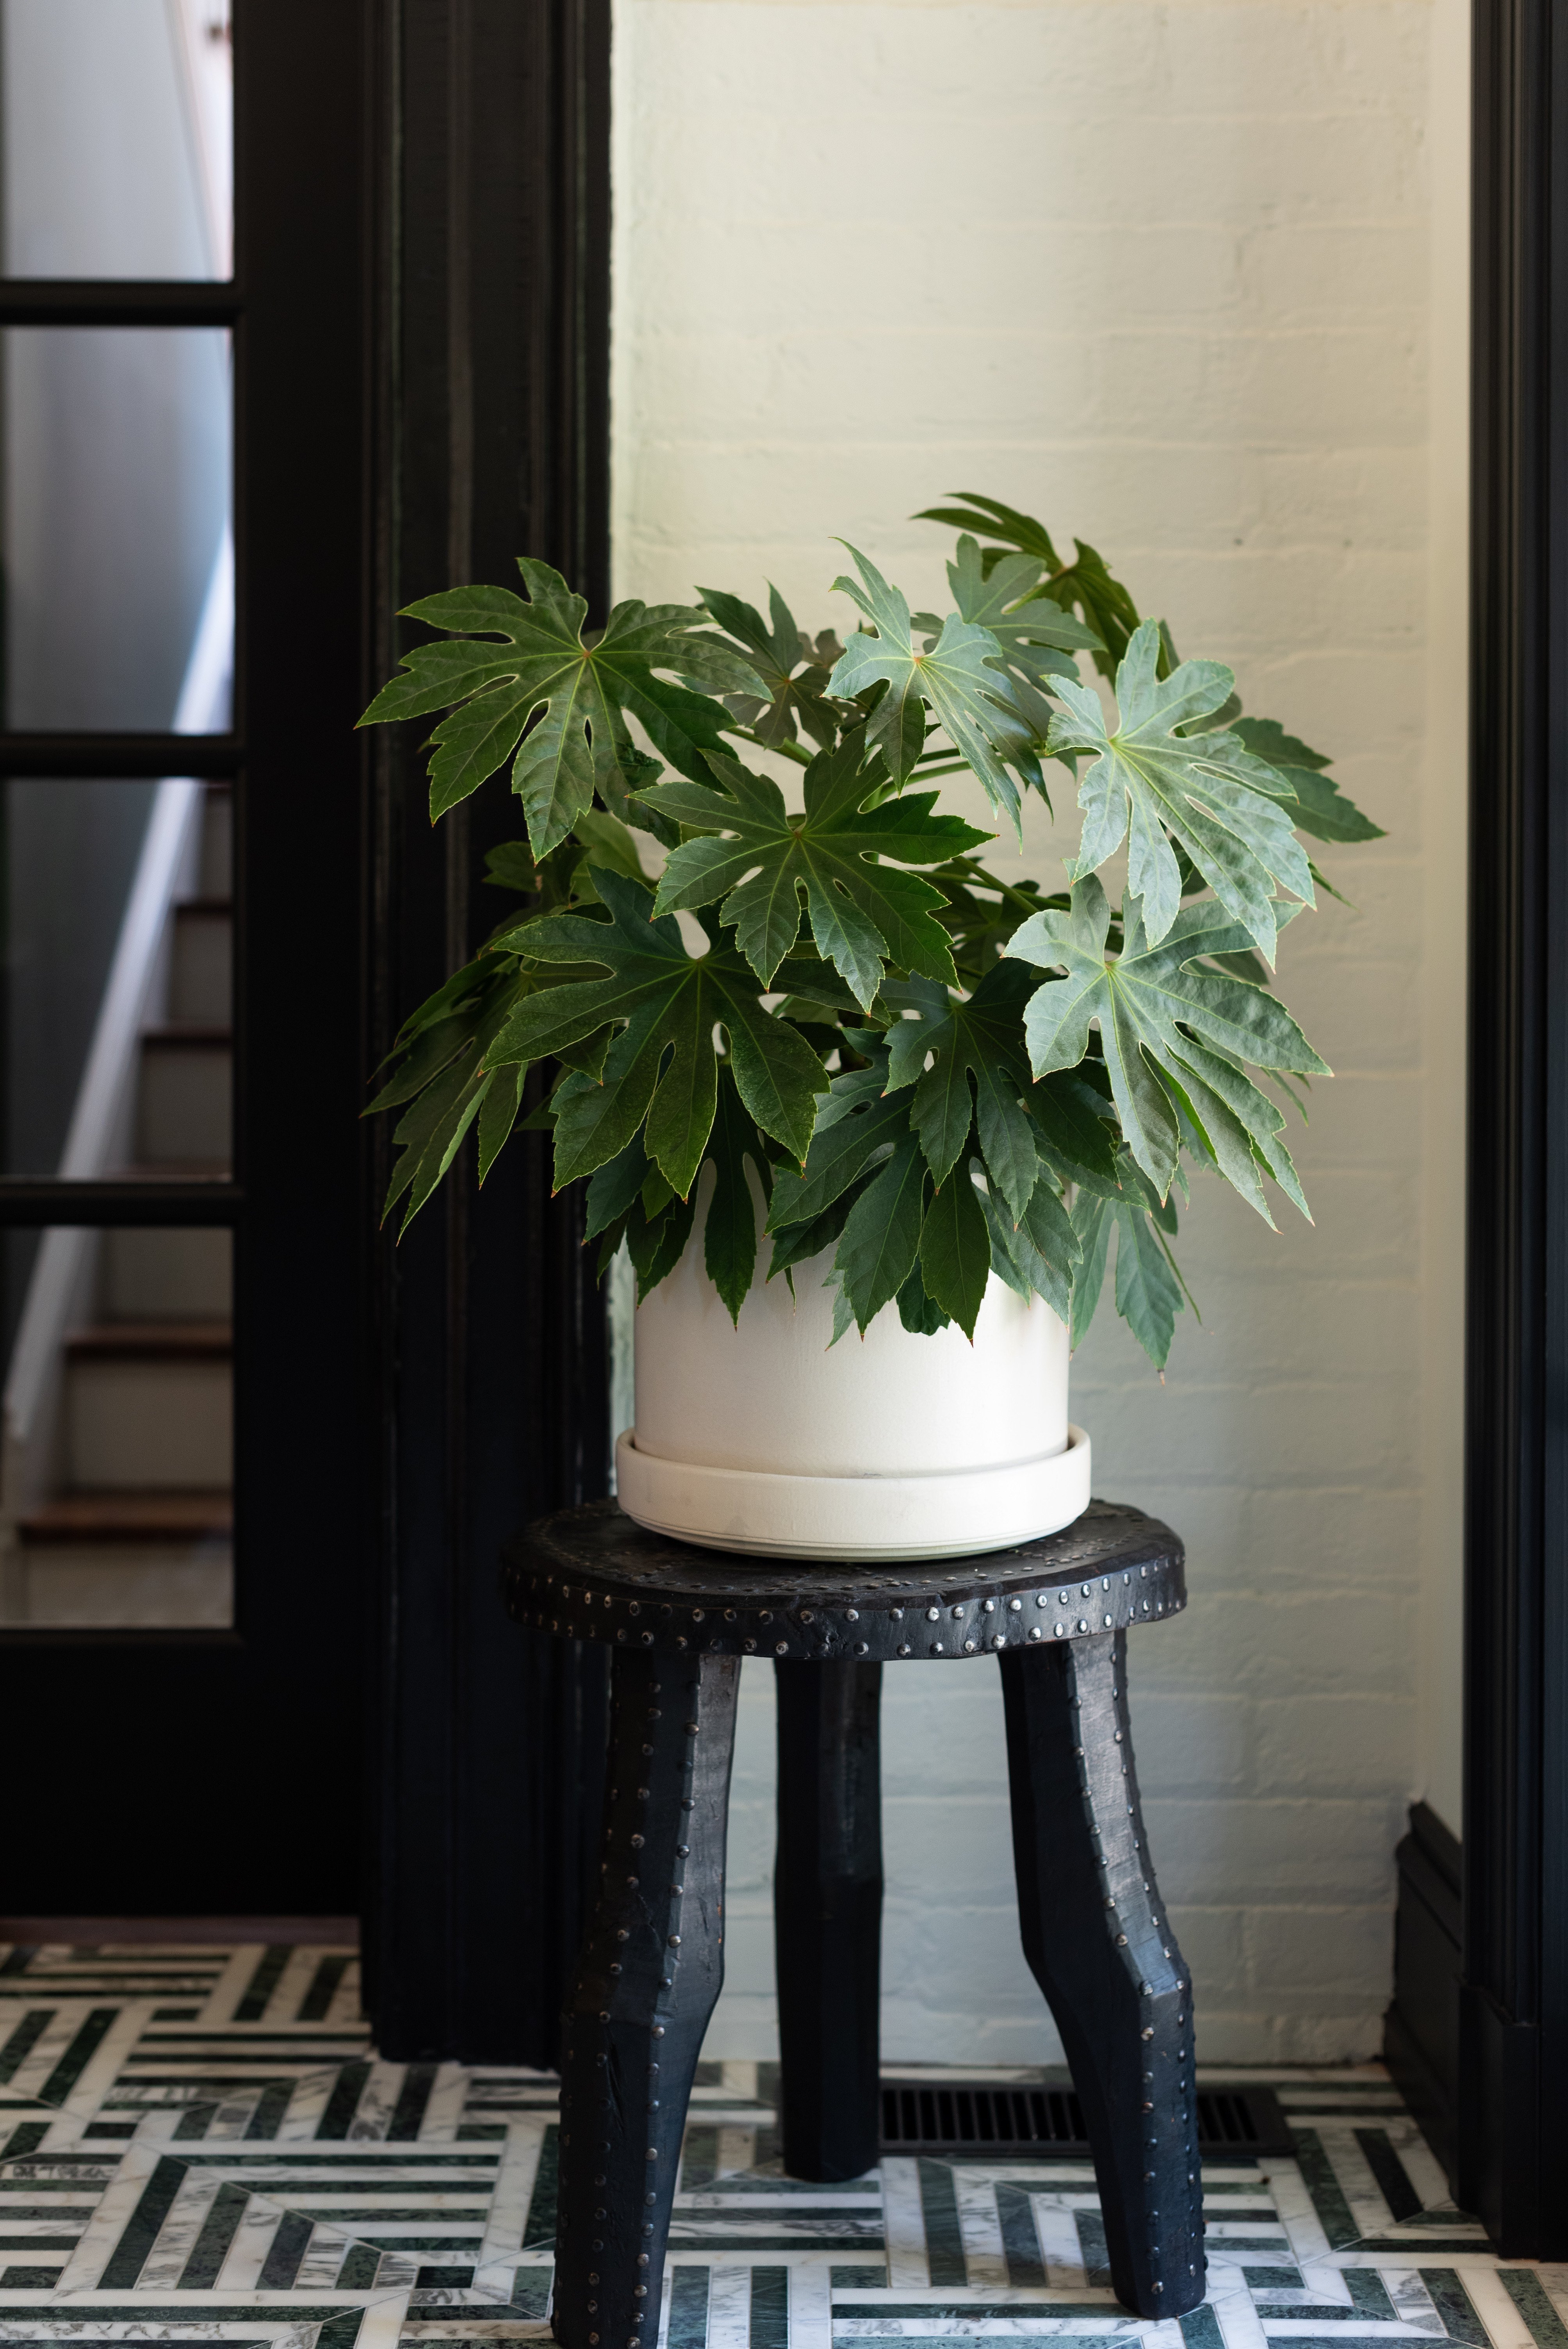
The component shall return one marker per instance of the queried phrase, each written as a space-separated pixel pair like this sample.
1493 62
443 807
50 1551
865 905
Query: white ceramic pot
758 1438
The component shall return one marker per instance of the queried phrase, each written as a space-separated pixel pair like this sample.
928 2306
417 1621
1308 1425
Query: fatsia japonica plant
931 1069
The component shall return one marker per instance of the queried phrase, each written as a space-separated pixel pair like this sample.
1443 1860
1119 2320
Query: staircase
116 1484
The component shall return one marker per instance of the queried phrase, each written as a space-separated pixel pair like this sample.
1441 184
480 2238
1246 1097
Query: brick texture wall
1172 277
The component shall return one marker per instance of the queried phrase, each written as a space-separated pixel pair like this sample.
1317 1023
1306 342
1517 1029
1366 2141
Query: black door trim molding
1514 2026
491 430
1421 2029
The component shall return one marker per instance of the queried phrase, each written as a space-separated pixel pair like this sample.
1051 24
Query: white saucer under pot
762 1438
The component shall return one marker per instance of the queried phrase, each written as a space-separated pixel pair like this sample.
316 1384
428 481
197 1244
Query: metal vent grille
972 2117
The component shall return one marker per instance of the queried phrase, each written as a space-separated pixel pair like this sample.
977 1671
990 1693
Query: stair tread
184 1035
171 1170
148 1341
130 1517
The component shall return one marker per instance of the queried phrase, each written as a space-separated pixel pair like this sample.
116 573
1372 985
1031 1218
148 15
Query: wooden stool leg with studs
1100 1947
678 1619
650 1972
827 1918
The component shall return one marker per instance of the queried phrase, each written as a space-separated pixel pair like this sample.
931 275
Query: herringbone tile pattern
203 2143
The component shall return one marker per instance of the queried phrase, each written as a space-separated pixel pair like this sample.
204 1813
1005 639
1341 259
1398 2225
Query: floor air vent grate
973 2118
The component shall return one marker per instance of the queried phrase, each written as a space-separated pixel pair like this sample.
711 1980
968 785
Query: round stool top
592 1574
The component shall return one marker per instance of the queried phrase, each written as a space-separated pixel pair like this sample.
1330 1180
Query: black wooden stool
1055 1612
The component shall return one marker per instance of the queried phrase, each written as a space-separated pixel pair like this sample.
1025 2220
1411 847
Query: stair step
154 1275
131 1517
201 978
184 1108
151 1415
152 1342
102 1585
217 856
187 1036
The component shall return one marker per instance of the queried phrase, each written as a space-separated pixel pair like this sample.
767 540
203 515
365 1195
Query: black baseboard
1421 2029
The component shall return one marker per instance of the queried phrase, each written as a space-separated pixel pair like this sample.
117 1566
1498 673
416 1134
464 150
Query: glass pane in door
116 954
119 557
116 118
117 1473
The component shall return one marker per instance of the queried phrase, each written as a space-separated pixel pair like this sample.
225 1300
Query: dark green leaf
512 866
1072 1116
1038 1257
671 1002
921 1314
615 1187
857 1120
1093 1220
429 1133
729 1235
431 1052
577 694
1317 804
794 672
1147 1294
498 1115
880 1234
955 1250
656 1245
863 913
980 1040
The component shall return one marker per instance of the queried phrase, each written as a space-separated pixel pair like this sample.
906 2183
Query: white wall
1176 278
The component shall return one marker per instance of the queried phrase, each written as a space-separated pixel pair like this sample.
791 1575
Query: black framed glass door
183 1465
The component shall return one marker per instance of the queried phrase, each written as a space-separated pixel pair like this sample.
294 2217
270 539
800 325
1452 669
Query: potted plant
870 1144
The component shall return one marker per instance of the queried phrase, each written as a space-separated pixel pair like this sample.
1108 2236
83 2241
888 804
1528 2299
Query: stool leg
1100 1947
650 1970
827 1917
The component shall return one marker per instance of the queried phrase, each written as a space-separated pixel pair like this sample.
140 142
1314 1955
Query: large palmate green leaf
445 1079
623 1191
862 913
1034 634
1083 586
1039 1255
1207 791
858 1119
960 679
579 694
955 1250
729 1233
977 1042
794 671
1148 1293
1317 805
881 1236
670 1003
1175 1036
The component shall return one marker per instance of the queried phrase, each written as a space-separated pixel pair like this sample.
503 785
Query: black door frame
490 440
185 1769
1512 2165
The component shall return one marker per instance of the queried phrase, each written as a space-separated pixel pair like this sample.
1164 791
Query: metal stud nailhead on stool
1056 1613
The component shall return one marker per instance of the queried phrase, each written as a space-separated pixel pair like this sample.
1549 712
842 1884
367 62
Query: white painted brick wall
1165 274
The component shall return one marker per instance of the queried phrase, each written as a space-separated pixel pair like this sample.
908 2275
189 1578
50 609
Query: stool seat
678 1619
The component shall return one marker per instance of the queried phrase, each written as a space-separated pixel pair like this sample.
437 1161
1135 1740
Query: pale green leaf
1147 784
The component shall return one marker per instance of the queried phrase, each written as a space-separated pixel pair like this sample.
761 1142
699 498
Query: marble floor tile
204 2144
